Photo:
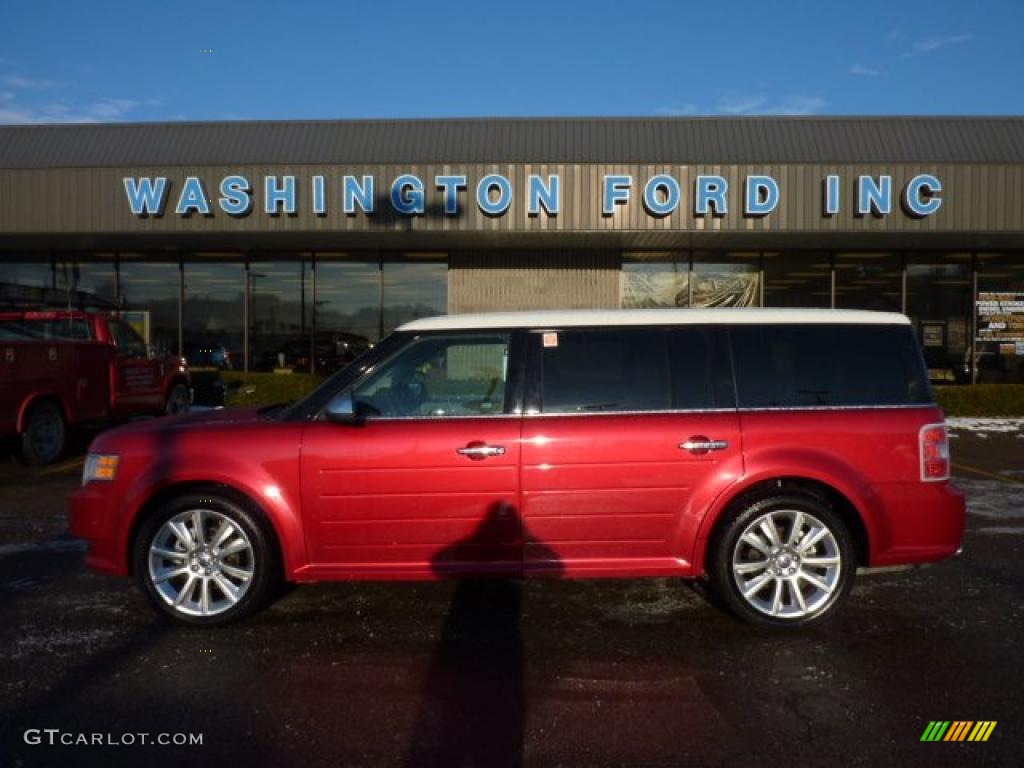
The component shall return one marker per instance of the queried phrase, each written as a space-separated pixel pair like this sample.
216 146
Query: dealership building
250 236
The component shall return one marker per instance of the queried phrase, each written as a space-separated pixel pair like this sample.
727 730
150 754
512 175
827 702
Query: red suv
771 452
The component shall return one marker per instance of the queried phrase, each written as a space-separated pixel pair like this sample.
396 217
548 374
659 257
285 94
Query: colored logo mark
958 730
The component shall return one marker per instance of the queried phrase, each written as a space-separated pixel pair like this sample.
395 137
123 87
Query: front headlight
99 466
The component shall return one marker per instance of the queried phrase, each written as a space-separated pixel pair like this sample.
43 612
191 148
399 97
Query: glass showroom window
939 304
26 285
1000 322
415 287
150 293
655 279
797 279
90 285
214 331
348 297
279 315
726 280
869 281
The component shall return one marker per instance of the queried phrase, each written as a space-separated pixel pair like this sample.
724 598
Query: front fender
273 486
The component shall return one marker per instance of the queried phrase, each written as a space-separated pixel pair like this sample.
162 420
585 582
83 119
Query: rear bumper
93 510
924 523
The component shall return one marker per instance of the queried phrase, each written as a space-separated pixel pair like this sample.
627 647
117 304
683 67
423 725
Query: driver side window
439 377
127 341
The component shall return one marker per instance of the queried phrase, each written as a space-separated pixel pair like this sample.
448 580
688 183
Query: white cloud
860 69
762 105
933 44
13 111
28 83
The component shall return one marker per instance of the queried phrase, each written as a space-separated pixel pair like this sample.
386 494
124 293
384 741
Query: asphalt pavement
546 673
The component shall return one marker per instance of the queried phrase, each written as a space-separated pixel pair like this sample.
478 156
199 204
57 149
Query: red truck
60 368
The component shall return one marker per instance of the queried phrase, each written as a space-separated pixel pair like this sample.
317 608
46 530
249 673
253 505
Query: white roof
604 317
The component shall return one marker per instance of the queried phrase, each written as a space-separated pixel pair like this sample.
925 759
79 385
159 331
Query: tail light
934 447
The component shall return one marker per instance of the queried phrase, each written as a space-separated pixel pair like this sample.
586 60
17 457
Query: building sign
1001 318
658 195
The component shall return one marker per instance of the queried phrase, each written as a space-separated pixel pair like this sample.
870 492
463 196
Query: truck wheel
44 435
177 400
204 560
783 561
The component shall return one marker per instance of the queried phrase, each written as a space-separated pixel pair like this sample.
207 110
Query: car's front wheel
177 400
203 559
783 561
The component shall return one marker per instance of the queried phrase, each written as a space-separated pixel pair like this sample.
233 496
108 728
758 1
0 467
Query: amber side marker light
99 466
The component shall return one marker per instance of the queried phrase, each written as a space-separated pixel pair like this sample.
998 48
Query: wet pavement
553 673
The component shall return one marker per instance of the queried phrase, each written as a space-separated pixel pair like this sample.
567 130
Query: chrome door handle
699 445
477 451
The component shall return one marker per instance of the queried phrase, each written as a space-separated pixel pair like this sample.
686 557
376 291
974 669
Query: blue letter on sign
831 195
616 192
483 194
319 200
653 203
920 196
711 193
541 194
762 196
451 186
193 198
874 197
144 197
235 199
275 195
407 194
354 193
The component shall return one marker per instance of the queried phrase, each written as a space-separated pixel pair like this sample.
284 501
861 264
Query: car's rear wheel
177 400
783 561
45 434
204 559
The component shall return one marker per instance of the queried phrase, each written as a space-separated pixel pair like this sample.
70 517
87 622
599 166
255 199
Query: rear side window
701 374
791 366
49 329
605 370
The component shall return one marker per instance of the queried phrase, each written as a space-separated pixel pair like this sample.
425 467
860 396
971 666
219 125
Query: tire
235 567
177 400
45 434
780 584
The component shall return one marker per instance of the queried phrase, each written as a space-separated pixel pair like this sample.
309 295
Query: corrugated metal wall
977 199
489 281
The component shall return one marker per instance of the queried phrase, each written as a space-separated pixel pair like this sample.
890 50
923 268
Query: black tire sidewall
170 399
267 570
28 449
721 577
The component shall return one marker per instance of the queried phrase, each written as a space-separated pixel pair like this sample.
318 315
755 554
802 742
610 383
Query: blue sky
222 60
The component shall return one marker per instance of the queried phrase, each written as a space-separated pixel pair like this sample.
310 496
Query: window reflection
797 279
279 315
149 297
869 281
214 310
410 290
26 285
87 284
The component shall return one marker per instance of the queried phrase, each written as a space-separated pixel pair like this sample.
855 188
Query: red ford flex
770 452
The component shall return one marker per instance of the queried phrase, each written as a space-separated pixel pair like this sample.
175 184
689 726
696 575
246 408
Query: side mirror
342 409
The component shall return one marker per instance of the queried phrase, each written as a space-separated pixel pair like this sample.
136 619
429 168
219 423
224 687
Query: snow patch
993 499
982 426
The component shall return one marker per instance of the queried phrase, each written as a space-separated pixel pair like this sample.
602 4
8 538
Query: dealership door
632 424
428 483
